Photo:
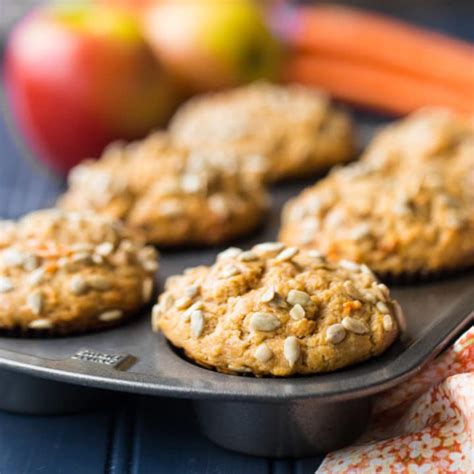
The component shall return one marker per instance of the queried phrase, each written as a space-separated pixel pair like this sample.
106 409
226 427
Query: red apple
80 77
212 43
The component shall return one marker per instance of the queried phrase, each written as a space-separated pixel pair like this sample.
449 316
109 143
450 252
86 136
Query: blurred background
77 75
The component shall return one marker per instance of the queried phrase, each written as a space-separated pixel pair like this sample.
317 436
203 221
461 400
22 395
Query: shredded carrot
356 35
375 87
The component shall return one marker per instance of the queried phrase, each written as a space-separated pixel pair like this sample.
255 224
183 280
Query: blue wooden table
135 434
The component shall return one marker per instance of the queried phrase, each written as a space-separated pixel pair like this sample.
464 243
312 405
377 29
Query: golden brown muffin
172 195
294 130
406 207
274 310
65 272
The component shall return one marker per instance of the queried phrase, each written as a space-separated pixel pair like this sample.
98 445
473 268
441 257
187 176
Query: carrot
373 86
353 34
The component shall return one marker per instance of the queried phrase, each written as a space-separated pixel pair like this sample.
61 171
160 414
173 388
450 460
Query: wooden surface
136 434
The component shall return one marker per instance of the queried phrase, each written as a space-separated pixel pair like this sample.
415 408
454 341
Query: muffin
275 310
407 208
294 130
67 272
170 194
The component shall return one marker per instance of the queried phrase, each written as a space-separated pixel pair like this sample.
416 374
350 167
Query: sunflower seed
41 324
268 295
382 307
335 333
291 350
171 208
287 254
365 269
31 263
82 257
268 248
348 265
150 265
197 322
104 249
35 302
147 289
192 183
263 353
264 322
111 315
314 254
186 316
387 322
355 325
97 259
6 285
13 258
229 271
298 297
183 302
297 312
219 205
231 252
99 283
248 256
359 232
78 285
191 291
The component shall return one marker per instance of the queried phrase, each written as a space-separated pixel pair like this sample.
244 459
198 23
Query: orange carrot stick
357 35
374 87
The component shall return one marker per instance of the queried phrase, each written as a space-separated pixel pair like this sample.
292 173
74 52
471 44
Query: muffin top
71 271
294 130
171 194
401 209
275 310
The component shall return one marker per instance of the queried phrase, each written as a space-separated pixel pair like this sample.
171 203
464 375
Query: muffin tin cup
290 429
274 417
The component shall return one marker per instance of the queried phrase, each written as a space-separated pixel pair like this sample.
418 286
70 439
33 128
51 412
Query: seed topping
99 283
298 297
263 353
35 302
229 271
231 252
41 324
291 350
197 322
382 307
335 333
287 254
268 248
266 322
355 325
183 302
297 312
268 295
6 285
387 322
111 315
78 285
147 289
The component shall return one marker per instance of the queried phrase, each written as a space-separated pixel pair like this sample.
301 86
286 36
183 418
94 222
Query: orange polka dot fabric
425 425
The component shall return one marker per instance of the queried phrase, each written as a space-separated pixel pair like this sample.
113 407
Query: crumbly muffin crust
274 310
406 208
294 130
172 195
66 272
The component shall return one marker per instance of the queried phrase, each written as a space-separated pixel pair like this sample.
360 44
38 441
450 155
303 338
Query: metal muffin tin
274 417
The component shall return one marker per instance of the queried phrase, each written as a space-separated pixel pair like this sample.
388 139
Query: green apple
212 43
